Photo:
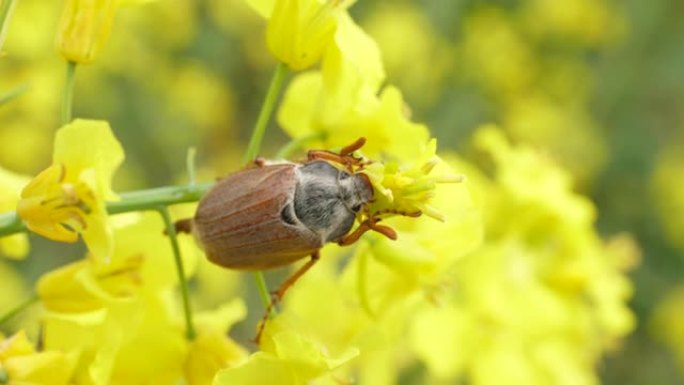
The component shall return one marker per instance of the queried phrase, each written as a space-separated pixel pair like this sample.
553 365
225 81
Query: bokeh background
596 84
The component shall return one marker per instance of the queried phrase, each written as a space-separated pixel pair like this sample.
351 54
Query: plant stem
68 92
264 294
140 200
6 8
253 147
190 165
190 332
10 224
153 198
13 93
265 114
19 308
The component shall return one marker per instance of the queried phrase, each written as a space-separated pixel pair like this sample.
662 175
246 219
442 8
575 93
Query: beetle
273 214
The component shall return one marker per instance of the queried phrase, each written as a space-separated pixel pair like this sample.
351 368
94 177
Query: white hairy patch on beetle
322 199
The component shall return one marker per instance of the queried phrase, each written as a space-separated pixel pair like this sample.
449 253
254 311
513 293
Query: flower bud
84 28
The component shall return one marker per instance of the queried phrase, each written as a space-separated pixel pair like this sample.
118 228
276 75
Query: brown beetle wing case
239 221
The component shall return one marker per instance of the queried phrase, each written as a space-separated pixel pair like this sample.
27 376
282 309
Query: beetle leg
347 161
369 224
280 293
385 230
277 296
344 157
354 235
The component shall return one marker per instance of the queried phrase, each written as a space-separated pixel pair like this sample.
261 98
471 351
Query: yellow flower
20 363
119 314
497 54
83 287
352 67
142 264
212 350
591 23
14 246
544 122
422 59
407 190
68 197
310 111
420 261
667 324
300 31
84 28
543 297
287 358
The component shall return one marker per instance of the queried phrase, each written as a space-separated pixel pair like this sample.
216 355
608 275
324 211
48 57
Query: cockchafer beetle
273 214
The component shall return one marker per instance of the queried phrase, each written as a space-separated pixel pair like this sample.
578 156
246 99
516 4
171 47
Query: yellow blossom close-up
68 198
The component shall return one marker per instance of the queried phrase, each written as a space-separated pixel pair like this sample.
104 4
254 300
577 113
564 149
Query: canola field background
561 260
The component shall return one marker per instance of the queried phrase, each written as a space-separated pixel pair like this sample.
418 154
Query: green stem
13 93
19 308
152 198
140 200
68 92
266 110
190 165
253 147
6 8
10 223
182 281
263 291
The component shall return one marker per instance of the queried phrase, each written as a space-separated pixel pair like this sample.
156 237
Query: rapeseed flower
287 357
68 198
543 297
667 323
407 189
116 315
309 112
84 28
212 350
21 363
300 31
14 246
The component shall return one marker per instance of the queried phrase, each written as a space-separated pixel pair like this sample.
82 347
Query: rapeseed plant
497 275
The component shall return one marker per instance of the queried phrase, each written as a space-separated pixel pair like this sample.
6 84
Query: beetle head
355 190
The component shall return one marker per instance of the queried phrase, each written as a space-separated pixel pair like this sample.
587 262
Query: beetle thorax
326 199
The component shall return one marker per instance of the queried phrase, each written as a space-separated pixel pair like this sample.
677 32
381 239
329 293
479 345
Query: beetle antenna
348 150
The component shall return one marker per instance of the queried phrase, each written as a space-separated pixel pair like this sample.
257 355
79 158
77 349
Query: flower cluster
565 289
497 273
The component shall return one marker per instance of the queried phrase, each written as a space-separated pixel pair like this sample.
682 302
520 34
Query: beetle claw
369 224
